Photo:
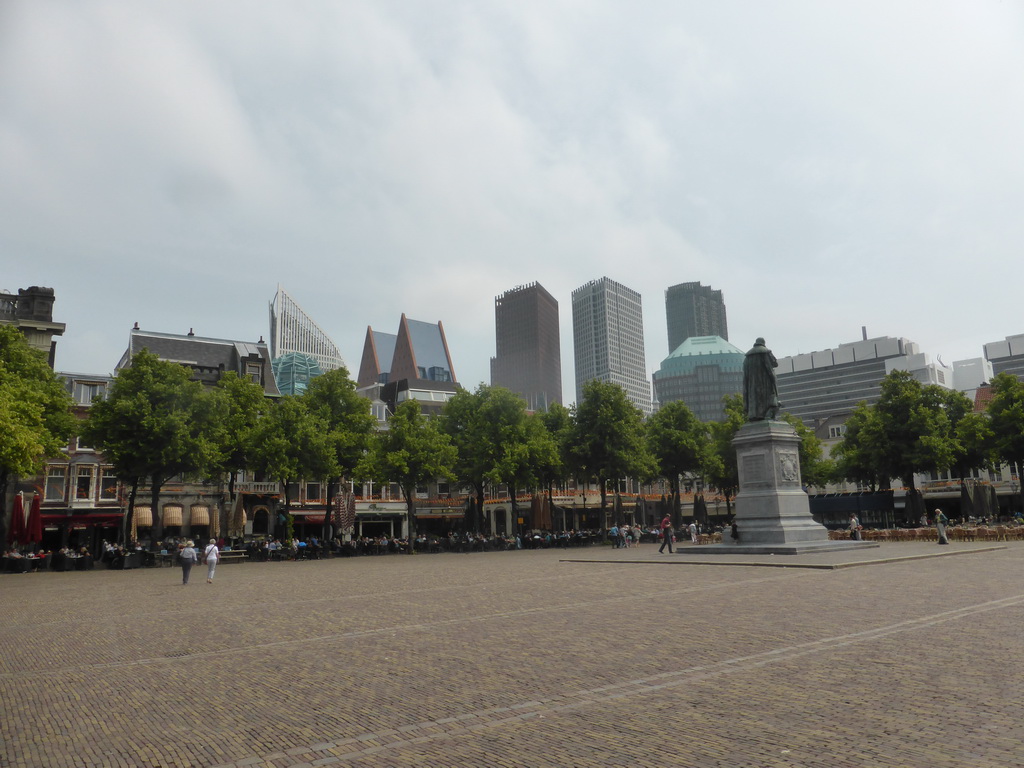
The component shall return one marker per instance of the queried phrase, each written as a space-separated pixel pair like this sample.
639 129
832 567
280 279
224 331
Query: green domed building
700 372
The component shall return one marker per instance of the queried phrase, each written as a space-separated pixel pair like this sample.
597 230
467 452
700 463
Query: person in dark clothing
666 534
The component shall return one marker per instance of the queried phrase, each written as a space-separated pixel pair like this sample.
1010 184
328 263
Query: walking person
187 557
693 532
854 527
941 521
666 534
211 555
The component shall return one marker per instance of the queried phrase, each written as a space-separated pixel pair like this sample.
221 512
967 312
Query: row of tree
157 423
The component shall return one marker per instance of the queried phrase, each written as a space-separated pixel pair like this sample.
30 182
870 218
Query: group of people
188 556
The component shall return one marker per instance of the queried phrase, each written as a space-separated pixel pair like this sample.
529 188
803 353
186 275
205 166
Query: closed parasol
16 533
34 529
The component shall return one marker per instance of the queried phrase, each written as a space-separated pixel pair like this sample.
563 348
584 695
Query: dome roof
699 351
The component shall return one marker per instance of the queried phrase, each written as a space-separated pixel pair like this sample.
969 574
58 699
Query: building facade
528 354
31 311
1007 356
818 386
608 339
700 373
692 309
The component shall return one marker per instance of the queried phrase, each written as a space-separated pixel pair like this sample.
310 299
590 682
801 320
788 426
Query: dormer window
253 371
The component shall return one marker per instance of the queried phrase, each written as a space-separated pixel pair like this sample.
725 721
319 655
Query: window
108 484
253 371
55 477
81 445
83 483
87 391
443 489
421 491
313 492
837 431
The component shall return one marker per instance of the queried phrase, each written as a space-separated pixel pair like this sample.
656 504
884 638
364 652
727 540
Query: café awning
199 514
172 514
143 517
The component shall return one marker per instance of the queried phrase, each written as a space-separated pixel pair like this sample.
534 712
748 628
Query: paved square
518 659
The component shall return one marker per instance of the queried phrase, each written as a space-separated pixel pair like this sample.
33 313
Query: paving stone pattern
518 659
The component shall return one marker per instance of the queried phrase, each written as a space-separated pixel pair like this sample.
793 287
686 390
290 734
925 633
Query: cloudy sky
826 165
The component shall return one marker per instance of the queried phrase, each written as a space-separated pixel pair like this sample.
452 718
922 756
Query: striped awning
144 517
199 514
172 514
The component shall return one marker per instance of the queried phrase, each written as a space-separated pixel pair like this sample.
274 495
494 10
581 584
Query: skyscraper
528 359
608 339
292 330
692 309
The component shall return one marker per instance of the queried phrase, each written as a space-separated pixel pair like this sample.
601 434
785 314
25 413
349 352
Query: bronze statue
760 389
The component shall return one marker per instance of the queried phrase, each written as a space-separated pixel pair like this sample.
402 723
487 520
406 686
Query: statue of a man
760 390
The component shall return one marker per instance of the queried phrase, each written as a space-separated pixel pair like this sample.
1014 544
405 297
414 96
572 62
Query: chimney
864 332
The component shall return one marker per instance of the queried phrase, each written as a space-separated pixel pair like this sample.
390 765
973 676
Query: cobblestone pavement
518 659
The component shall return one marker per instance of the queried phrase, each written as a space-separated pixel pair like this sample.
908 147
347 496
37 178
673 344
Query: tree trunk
478 513
126 525
156 485
410 514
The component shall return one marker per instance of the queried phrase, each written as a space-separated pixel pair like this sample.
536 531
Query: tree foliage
679 443
290 443
411 451
156 423
494 444
607 438
349 422
721 468
35 412
1006 415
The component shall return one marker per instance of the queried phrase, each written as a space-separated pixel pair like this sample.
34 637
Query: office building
528 354
608 339
700 373
1007 356
692 309
413 364
293 331
820 386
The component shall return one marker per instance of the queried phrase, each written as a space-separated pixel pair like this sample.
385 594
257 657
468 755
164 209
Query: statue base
773 515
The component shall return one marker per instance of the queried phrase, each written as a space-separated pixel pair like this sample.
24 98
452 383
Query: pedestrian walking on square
187 557
941 521
854 527
693 532
211 555
666 534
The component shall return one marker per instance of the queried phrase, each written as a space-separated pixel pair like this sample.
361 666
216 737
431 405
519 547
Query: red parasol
16 533
34 529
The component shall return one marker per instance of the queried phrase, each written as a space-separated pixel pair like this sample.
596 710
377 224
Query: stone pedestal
773 515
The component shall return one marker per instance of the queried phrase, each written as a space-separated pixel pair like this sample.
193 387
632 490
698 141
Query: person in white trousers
211 554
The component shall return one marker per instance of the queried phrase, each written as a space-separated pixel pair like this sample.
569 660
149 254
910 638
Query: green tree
554 470
243 404
1006 415
971 432
857 453
290 443
349 421
815 469
679 442
721 468
906 432
155 423
35 413
412 450
608 438
488 430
